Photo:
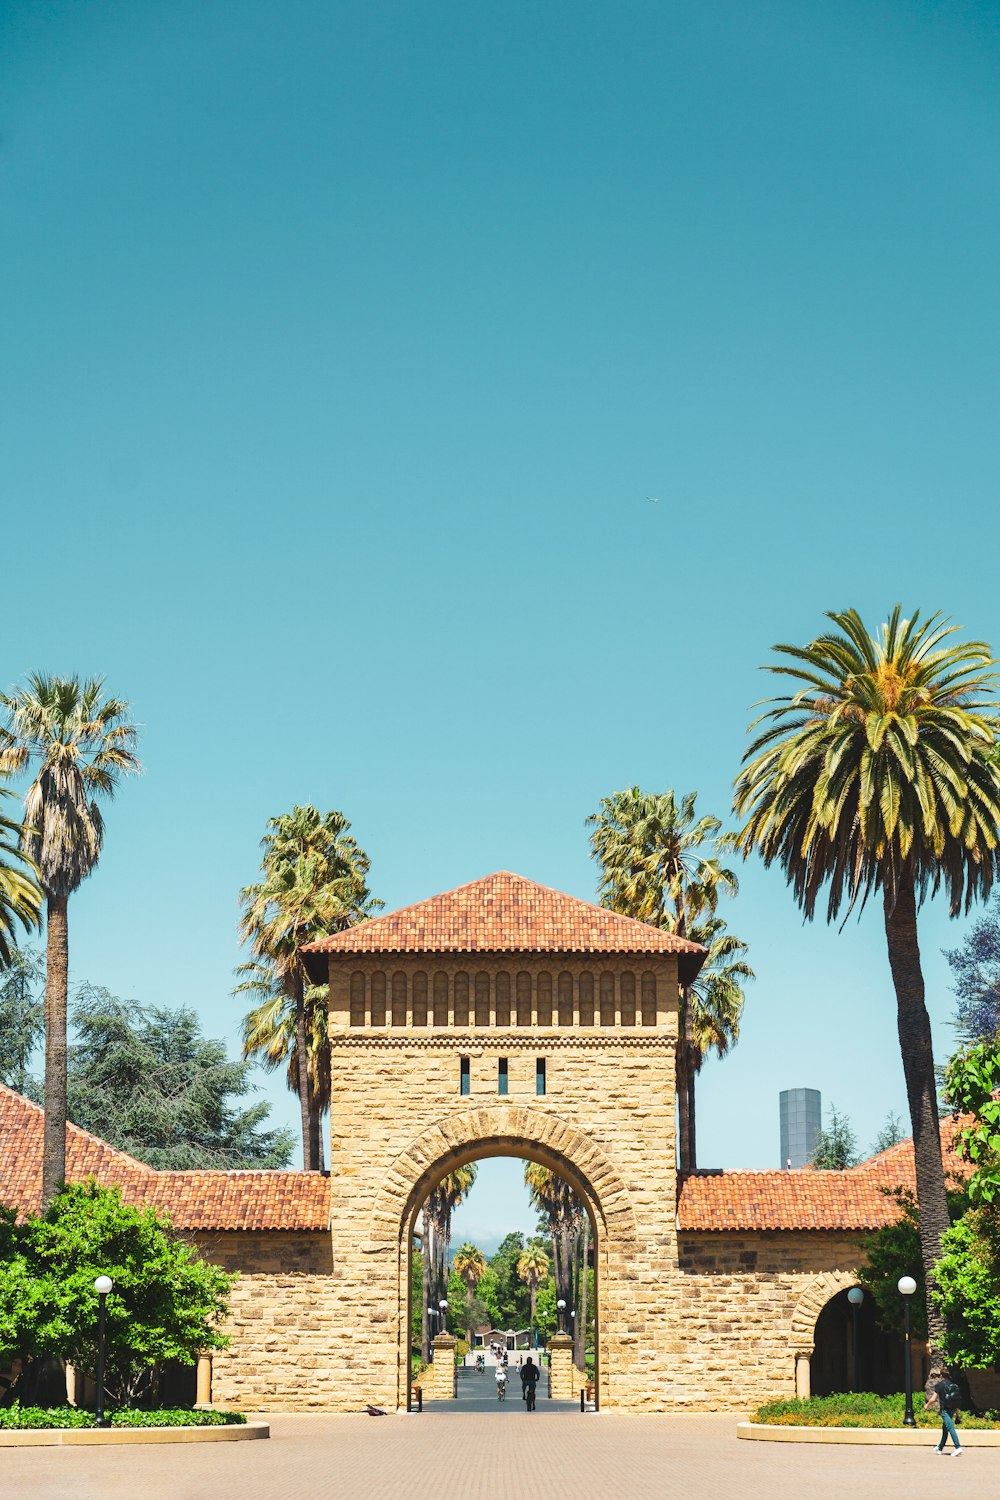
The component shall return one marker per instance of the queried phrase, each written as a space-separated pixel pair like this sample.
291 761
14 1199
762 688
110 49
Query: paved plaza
490 1457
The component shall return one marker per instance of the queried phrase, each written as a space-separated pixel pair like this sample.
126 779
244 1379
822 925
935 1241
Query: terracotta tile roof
194 1200
504 913
805 1199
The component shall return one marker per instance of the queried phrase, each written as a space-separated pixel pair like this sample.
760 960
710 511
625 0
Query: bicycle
501 1390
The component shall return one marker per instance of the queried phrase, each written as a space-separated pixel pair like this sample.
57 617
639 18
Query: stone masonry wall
739 1295
280 1321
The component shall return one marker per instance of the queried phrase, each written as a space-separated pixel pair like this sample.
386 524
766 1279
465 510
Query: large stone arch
497 1130
509 1129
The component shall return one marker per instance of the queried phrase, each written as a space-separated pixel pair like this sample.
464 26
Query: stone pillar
70 1385
438 1380
802 1378
561 1367
203 1388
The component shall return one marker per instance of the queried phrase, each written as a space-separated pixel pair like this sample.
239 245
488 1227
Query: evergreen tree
145 1080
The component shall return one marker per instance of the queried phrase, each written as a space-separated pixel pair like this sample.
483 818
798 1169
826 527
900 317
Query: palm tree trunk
683 1120
918 1068
302 1061
584 1280
427 1250
56 987
315 1162
692 1073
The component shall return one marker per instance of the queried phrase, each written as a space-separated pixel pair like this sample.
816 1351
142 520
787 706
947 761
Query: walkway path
478 1393
468 1457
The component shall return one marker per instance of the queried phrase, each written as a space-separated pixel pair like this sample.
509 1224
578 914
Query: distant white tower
801 1121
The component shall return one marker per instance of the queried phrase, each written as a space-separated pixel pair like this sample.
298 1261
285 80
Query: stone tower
504 1019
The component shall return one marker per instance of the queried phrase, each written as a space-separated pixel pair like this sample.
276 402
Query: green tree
879 774
20 895
975 967
80 745
836 1146
660 863
167 1302
22 1020
314 883
713 1009
891 1134
470 1263
146 1080
533 1268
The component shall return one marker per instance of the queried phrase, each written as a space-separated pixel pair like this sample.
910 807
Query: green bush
859 1409
19 1418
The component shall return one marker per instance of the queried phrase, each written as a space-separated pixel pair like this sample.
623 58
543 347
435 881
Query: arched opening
513 1321
879 1354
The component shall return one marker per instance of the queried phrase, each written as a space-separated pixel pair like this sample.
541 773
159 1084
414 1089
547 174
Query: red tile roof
504 913
194 1200
806 1198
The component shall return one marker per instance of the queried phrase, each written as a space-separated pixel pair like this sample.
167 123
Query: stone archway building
504 1018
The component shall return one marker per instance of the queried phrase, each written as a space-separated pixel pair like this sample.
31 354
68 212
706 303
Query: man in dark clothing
529 1379
946 1396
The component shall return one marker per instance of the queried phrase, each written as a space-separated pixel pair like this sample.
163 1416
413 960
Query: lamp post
102 1287
443 1305
561 1308
906 1286
855 1297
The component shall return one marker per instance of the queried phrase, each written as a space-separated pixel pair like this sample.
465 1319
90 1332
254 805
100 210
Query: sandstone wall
282 1313
749 1303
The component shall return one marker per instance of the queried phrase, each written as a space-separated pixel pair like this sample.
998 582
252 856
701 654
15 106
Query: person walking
529 1379
947 1397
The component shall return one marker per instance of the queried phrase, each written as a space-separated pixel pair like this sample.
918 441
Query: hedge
14 1418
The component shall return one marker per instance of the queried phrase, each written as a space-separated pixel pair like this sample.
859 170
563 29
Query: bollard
583 1399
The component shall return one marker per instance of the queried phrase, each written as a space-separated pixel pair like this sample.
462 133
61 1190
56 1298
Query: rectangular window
502 1076
539 1075
465 1085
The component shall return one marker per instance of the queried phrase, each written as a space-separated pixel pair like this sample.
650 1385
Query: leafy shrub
20 1418
858 1409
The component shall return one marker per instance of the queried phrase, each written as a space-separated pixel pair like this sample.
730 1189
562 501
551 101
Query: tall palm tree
81 746
660 864
658 860
533 1267
315 883
714 1009
20 893
470 1263
879 774
270 1035
438 1207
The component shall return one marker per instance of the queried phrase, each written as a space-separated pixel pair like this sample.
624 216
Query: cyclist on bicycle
501 1378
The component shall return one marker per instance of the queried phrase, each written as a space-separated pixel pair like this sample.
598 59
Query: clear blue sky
343 345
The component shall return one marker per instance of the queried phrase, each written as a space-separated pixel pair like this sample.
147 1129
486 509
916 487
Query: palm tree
439 1205
81 745
879 773
270 1035
470 1263
532 1267
315 883
659 864
714 1009
20 894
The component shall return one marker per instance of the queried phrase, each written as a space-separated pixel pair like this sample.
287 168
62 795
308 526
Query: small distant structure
801 1120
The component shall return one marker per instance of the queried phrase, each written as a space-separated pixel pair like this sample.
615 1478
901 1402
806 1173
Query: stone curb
897 1437
124 1437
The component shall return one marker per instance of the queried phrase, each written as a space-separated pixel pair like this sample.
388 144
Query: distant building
801 1123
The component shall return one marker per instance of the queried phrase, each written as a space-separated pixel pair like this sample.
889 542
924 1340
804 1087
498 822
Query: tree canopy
146 1080
166 1303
